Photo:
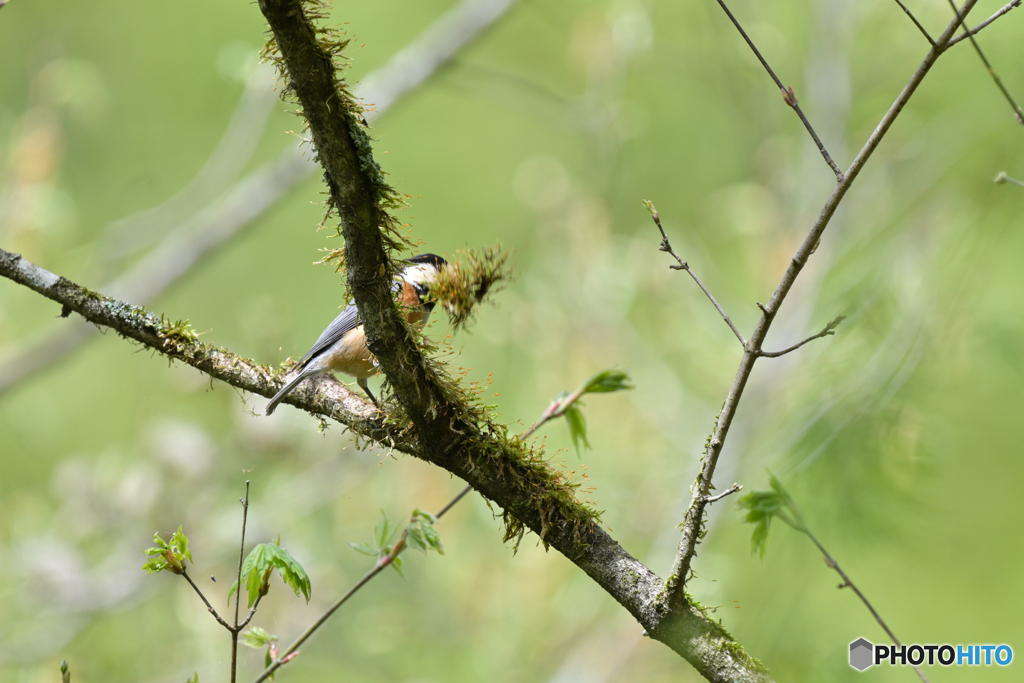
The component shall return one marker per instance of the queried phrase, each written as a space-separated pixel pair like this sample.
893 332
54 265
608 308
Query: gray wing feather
346 321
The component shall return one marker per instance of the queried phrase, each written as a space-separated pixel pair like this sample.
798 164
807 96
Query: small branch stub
728 492
683 265
829 330
1003 178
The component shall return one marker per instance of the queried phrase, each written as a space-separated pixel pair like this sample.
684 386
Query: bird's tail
284 391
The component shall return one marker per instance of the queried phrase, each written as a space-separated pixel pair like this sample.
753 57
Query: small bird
342 346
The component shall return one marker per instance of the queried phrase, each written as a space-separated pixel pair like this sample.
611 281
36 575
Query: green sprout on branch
420 534
261 563
569 405
168 556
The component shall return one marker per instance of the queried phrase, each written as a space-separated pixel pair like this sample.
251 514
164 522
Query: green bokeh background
900 436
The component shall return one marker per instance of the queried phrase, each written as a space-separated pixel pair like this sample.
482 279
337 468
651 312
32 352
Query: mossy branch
450 429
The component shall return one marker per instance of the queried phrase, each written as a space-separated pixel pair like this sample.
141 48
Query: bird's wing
346 321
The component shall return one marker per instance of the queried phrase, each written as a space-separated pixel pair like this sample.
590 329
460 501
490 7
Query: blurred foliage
899 435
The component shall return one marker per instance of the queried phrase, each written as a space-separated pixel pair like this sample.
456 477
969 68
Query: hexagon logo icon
861 654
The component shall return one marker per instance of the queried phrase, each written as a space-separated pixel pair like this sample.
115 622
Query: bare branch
238 593
1003 178
847 583
381 564
693 522
916 22
829 330
683 265
787 95
995 77
728 492
1003 10
209 607
252 613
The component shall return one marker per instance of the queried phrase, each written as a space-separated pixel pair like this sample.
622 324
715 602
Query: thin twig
556 409
238 593
1003 178
202 597
377 569
728 492
1003 10
787 94
683 265
916 22
693 522
995 77
829 330
252 612
847 583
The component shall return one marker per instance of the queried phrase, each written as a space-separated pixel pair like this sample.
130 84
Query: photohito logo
864 654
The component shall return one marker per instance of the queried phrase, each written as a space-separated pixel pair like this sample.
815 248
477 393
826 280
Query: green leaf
168 556
384 532
65 672
179 542
194 679
291 572
262 560
608 381
577 427
763 507
397 564
421 533
256 637
415 539
365 548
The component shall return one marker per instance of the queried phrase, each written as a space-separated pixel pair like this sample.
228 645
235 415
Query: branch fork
693 520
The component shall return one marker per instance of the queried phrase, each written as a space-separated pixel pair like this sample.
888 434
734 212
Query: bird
342 346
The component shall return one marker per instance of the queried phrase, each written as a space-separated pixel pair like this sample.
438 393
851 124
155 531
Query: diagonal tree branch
515 478
992 72
787 95
916 22
1003 10
450 430
693 521
683 265
1003 178
829 330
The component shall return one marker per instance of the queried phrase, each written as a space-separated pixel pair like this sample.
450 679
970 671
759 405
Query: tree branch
847 583
693 521
209 607
829 330
396 550
238 594
683 265
992 72
728 492
1003 178
555 409
506 472
1003 10
917 23
787 95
